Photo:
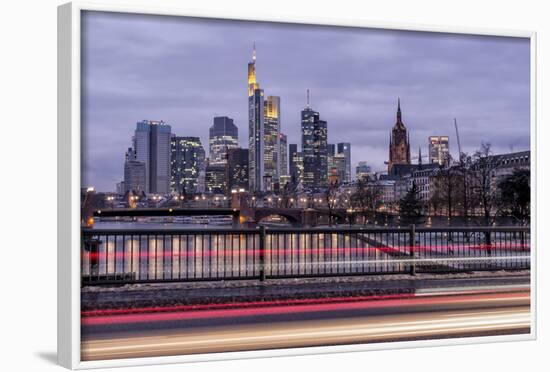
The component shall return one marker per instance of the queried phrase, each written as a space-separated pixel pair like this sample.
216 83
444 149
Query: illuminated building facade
255 129
215 179
237 169
134 174
283 155
187 158
439 150
344 150
314 148
152 147
272 125
296 163
224 135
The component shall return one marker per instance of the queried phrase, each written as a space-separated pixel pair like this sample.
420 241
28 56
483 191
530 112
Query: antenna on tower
307 100
254 51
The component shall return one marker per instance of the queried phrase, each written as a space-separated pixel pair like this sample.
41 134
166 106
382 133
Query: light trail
416 260
312 333
432 292
92 313
300 301
321 305
220 250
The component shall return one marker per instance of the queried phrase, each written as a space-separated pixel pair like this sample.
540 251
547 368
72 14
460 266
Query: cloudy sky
185 71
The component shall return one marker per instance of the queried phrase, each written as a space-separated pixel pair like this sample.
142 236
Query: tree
366 199
331 194
464 173
411 206
515 195
447 188
484 194
288 193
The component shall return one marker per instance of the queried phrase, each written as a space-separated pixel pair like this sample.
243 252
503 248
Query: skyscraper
224 135
314 148
338 171
363 171
215 179
187 153
283 155
439 150
331 164
134 173
331 151
152 147
237 169
400 151
272 128
344 148
255 129
296 163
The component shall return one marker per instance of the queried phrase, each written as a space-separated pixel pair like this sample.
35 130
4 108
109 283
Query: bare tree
447 189
464 170
366 199
484 195
331 194
287 193
483 191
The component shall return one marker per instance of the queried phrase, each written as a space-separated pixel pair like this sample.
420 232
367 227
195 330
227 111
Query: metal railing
143 255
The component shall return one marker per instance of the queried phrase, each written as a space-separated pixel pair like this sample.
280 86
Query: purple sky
185 71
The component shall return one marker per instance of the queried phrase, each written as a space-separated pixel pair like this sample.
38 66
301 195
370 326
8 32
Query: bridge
295 216
159 212
248 216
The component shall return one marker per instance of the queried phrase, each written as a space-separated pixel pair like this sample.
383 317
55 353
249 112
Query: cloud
188 70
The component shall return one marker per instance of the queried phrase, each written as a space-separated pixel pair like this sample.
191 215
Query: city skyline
494 106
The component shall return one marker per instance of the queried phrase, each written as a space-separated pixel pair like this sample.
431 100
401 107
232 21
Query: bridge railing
144 255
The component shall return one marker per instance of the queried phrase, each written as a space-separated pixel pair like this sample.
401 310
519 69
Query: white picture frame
69 124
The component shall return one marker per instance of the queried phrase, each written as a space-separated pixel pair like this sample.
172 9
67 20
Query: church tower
400 151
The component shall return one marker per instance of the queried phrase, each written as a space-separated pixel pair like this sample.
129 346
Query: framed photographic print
245 186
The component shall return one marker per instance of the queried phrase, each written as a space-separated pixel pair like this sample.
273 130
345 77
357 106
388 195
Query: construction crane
460 154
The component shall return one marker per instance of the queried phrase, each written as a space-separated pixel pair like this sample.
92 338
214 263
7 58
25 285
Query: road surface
428 313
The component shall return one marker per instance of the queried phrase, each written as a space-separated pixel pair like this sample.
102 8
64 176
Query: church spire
419 156
398 110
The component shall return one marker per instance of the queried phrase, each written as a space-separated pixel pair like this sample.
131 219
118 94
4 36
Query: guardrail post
262 253
92 246
412 243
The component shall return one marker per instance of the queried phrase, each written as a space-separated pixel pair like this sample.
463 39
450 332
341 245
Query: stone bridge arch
293 217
